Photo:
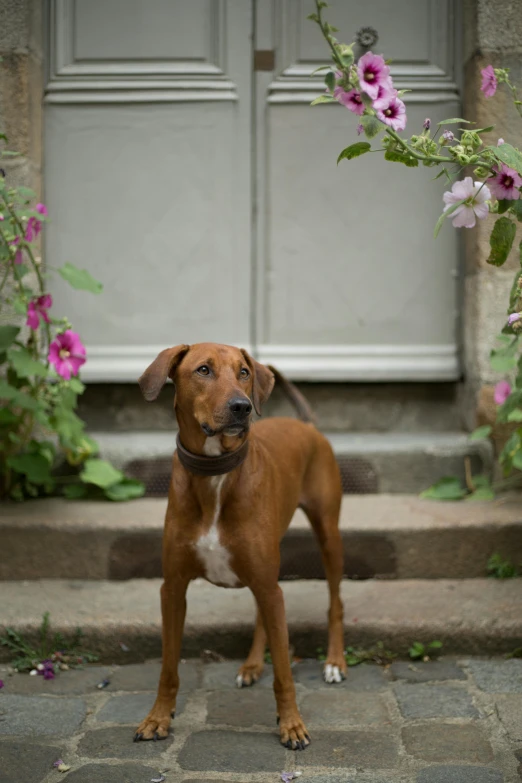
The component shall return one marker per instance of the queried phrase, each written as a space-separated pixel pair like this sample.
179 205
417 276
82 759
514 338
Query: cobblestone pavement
449 721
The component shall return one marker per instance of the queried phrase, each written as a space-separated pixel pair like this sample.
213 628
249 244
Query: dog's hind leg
250 672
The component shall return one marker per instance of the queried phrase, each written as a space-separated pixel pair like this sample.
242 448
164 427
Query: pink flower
489 81
38 309
19 257
500 141
391 110
475 196
513 318
34 226
67 354
505 183
352 99
1 684
502 392
372 72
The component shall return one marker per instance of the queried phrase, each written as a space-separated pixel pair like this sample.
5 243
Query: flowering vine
365 87
43 445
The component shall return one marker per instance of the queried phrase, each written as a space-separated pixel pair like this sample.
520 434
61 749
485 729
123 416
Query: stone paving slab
379 726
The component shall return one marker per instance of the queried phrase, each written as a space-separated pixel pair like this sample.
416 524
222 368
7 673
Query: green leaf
515 415
101 473
441 173
516 209
26 402
508 155
453 121
399 157
67 425
75 491
482 493
503 205
484 130
77 386
80 278
323 99
517 460
321 68
481 432
127 489
24 364
329 80
7 392
354 150
502 362
371 125
7 336
513 401
447 213
448 488
501 241
7 417
34 466
417 650
435 645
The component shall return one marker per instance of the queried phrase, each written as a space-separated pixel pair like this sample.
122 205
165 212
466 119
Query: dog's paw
293 733
333 673
154 727
249 675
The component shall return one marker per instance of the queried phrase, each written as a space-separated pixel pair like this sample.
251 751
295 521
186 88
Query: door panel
148 175
351 283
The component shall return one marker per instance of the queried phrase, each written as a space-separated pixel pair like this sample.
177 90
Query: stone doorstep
389 536
468 616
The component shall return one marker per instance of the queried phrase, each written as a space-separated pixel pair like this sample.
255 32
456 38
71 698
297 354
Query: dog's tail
290 391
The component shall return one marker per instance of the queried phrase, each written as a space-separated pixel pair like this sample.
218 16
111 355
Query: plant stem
327 36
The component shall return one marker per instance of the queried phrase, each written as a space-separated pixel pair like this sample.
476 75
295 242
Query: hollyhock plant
513 318
67 354
474 196
352 100
392 111
502 392
34 226
373 72
489 81
505 184
37 309
19 257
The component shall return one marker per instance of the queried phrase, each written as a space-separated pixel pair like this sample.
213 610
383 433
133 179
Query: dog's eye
203 370
244 373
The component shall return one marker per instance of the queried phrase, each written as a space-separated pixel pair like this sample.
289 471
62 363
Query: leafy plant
499 568
365 88
44 449
418 650
376 654
50 647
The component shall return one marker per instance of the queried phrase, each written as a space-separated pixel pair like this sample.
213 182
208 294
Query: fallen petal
63 768
158 780
58 763
103 684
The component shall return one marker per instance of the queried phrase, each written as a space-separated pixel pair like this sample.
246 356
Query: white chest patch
214 556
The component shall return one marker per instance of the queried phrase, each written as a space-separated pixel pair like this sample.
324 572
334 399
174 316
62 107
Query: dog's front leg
173 608
292 730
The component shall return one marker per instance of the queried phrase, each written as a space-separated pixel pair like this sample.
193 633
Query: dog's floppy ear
164 366
262 381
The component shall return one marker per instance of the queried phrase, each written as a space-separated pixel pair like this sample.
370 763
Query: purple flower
489 81
19 257
67 354
502 392
372 72
426 124
34 226
38 309
58 763
475 195
500 141
513 318
448 135
359 129
392 111
505 183
352 99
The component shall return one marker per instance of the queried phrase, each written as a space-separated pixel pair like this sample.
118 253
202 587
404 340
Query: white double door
206 197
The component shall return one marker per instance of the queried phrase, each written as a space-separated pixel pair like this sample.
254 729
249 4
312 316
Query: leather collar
202 465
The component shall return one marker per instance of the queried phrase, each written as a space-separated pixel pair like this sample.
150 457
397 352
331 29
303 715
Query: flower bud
513 318
426 124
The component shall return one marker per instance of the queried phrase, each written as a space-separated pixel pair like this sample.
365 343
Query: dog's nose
240 407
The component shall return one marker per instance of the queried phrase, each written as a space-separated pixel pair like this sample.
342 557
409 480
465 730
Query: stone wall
21 88
492 34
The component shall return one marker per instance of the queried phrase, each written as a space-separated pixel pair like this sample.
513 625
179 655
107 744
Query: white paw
332 673
239 681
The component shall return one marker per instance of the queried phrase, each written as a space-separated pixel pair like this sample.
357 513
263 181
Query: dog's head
217 385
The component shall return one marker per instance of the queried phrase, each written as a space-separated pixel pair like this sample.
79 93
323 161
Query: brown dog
233 493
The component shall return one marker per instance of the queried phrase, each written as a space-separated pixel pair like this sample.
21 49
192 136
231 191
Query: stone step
369 462
385 536
468 616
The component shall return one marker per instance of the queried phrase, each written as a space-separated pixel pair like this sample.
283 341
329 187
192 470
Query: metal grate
358 476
